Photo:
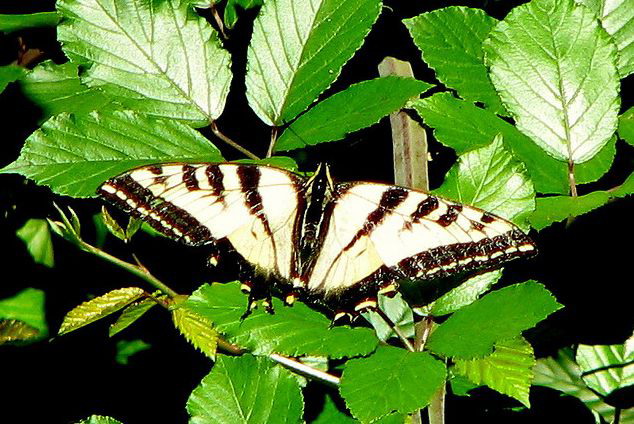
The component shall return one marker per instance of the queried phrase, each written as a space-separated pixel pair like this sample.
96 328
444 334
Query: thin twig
573 187
396 330
269 152
230 142
304 369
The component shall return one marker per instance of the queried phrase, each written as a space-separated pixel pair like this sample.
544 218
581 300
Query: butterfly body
337 245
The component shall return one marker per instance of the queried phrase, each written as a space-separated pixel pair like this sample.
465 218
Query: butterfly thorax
317 194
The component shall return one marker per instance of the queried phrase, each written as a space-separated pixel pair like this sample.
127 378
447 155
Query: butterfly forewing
249 205
376 227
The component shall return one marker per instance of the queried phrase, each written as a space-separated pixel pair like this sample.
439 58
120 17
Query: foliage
529 104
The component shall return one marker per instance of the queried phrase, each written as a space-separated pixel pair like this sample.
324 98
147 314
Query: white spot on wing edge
108 188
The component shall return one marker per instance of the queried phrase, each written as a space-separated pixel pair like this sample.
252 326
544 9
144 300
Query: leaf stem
139 271
230 142
269 152
218 20
304 369
396 330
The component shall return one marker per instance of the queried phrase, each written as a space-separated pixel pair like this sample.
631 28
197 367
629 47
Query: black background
586 265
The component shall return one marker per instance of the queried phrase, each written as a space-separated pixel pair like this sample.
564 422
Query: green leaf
508 370
555 70
450 40
28 307
246 389
398 311
390 380
294 331
74 154
461 386
10 73
231 12
197 329
617 18
626 125
563 374
37 236
130 314
99 307
156 57
331 414
491 179
283 162
605 368
57 88
11 23
465 294
14 331
553 209
503 314
356 107
99 419
463 127
127 348
624 189
298 49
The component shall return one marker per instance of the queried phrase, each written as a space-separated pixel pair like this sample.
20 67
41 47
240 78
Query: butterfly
333 244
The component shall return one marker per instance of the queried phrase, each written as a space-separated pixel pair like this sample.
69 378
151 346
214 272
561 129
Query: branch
230 142
304 369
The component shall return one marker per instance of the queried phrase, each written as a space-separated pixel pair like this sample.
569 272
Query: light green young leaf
294 331
99 307
356 107
128 348
555 70
57 88
28 307
11 23
298 49
99 419
14 331
112 225
605 368
563 374
391 379
231 10
246 390
10 73
472 331
626 125
463 127
465 294
553 209
450 40
130 314
197 329
491 179
617 18
36 234
508 370
398 311
74 154
156 57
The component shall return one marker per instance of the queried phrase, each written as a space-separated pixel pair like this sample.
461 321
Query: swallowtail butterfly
335 244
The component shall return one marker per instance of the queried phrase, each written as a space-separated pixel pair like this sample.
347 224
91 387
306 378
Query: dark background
585 265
